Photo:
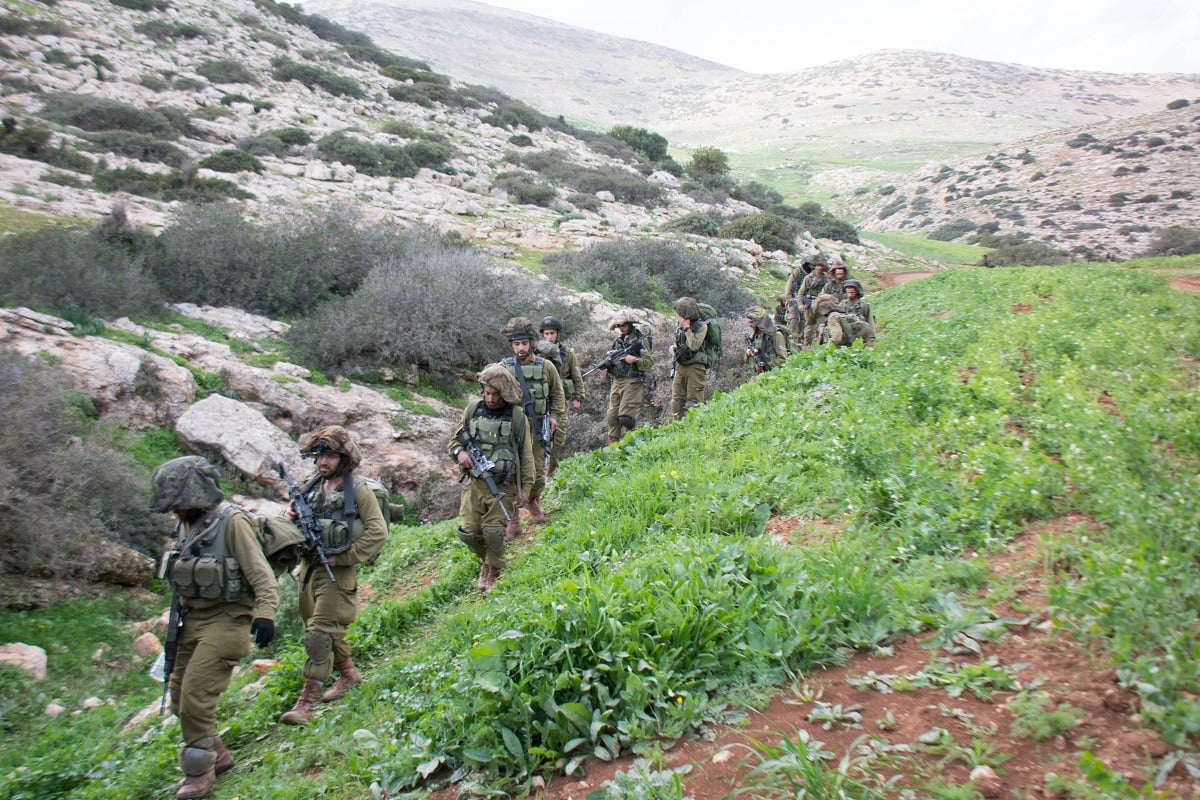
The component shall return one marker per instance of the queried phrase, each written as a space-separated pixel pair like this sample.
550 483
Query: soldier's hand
575 404
263 631
464 459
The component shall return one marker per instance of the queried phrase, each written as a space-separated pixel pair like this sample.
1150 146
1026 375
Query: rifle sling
527 399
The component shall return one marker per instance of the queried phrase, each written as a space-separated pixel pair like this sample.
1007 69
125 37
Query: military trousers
687 388
327 608
624 400
211 643
482 528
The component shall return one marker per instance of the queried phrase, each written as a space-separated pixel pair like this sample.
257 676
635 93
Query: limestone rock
147 646
28 658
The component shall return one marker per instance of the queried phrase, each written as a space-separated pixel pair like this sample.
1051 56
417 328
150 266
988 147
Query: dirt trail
897 278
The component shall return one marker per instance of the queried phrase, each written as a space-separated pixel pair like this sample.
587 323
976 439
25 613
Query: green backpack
712 342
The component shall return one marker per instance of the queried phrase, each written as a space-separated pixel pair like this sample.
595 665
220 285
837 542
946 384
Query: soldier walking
629 374
572 380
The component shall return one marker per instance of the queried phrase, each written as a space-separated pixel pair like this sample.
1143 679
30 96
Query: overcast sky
784 35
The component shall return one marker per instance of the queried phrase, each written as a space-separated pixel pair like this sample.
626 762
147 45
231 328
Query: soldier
766 346
812 286
544 404
226 593
354 531
692 355
572 379
794 292
629 374
495 424
852 319
836 285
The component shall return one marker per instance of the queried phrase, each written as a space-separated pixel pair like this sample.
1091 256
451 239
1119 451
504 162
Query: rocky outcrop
28 658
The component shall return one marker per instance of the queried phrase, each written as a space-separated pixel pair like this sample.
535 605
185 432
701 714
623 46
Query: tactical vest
567 382
620 368
498 434
332 514
202 567
535 380
813 285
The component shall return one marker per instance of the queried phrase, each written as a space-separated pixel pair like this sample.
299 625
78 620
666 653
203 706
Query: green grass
949 253
653 602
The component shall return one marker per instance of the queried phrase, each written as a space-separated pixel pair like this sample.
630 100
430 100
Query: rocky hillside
1092 191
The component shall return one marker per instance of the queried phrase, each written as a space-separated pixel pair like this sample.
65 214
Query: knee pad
473 540
627 422
198 758
319 646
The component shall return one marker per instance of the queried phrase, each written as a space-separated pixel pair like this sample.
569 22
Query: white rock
28 658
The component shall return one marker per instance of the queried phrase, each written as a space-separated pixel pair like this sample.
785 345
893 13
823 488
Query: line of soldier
821 305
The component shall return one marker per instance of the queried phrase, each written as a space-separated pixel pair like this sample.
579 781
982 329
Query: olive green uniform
215 633
691 368
812 286
772 347
505 438
573 390
628 385
854 321
328 607
545 391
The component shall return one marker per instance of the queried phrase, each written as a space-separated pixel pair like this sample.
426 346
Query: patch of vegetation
314 77
96 113
159 30
231 161
168 186
133 144
694 222
369 158
769 231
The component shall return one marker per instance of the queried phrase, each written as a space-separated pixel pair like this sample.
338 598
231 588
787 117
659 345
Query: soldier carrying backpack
697 347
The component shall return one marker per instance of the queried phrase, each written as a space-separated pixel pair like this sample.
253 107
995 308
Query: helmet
332 439
499 378
188 482
550 324
854 284
548 350
518 328
623 317
761 318
688 308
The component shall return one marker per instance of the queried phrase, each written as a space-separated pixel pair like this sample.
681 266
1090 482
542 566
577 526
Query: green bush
949 231
158 30
133 144
694 222
212 255
371 54
58 270
142 5
95 113
168 186
648 273
428 154
626 186
315 77
400 314
367 157
525 189
520 140
25 141
1175 240
1027 254
154 83
708 161
187 83
405 130
769 231
64 480
515 113
651 145
226 70
231 161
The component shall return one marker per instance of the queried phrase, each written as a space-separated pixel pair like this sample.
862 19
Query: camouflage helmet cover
623 317
499 378
189 482
853 284
550 324
548 350
761 318
688 308
518 328
332 439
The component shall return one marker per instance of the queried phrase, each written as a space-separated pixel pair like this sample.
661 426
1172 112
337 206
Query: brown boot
493 574
197 760
224 761
485 574
535 510
513 529
302 712
347 679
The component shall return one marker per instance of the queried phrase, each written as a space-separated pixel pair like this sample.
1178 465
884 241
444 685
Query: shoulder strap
526 397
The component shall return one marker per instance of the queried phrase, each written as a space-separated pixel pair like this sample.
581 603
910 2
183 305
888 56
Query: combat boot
513 528
348 678
302 712
197 761
535 510
224 761
493 574
485 574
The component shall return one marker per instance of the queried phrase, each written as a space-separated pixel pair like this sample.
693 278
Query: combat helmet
188 482
623 317
550 324
518 328
499 378
688 308
852 283
332 439
762 319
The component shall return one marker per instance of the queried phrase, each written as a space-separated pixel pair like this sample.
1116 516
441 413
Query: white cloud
774 36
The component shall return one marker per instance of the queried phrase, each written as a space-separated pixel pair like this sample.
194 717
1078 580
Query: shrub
367 157
651 145
186 83
133 144
315 77
428 154
514 113
154 83
648 273
168 186
405 130
954 229
25 141
626 186
226 70
94 113
520 140
525 189
1176 240
708 161
771 232
212 255
158 30
231 161
694 222
401 313
1175 105
1027 254
422 94
142 5
65 480
57 270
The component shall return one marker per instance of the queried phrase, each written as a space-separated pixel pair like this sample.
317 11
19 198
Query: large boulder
242 435
26 657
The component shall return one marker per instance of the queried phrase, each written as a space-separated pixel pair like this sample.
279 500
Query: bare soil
896 278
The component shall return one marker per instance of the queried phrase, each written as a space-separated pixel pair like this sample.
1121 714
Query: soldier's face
550 335
491 397
819 269
851 293
327 463
839 274
625 328
521 348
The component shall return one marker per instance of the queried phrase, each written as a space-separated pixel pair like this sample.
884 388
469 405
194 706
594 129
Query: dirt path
1186 284
897 278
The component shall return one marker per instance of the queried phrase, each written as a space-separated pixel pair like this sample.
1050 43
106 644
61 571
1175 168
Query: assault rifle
613 356
761 362
547 437
307 521
171 647
481 467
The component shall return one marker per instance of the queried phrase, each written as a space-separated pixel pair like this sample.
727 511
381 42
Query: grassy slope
653 600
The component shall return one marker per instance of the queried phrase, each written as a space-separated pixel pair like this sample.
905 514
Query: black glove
263 631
